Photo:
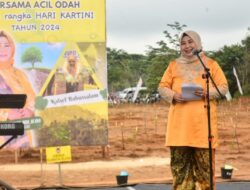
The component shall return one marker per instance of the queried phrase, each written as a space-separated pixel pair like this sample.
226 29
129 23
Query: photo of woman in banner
13 81
73 78
67 78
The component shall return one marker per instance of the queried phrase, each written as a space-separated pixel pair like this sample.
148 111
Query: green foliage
244 68
239 57
159 57
125 69
176 28
32 55
245 89
228 57
157 63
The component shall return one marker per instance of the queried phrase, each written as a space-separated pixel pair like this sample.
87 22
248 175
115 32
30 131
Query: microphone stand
207 76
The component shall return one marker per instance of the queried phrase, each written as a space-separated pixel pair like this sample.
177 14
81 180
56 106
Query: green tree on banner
32 55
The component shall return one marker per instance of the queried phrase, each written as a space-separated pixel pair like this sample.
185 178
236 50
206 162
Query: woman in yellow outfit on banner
72 74
187 128
13 80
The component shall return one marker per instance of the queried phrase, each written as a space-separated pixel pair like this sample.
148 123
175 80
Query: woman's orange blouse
187 122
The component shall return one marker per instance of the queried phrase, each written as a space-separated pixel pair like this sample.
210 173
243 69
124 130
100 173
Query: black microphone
196 51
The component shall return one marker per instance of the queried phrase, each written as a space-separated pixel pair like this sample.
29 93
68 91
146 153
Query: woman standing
187 129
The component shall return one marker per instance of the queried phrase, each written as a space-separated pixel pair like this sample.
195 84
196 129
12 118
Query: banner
55 52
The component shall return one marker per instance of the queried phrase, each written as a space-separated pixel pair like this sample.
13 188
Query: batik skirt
190 168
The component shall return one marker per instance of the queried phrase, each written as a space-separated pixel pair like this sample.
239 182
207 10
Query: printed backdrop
61 48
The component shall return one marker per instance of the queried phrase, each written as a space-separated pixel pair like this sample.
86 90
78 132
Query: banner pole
60 174
41 164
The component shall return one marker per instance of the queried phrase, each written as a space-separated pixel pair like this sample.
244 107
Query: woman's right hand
178 98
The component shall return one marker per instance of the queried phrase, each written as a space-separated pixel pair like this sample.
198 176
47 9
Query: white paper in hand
188 91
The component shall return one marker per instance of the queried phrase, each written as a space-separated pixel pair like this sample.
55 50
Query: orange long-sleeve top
187 122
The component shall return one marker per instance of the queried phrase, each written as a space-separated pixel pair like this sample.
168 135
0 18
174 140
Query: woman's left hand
200 93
